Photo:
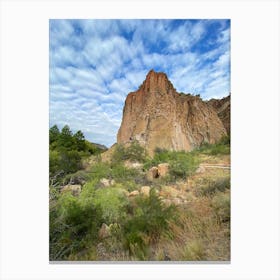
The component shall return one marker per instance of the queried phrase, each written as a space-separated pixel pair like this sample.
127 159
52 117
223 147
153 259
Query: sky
94 64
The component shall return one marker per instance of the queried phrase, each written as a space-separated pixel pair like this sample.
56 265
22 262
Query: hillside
161 193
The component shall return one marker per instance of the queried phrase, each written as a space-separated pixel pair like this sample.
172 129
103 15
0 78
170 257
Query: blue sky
94 64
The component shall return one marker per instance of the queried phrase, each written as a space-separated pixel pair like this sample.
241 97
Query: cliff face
222 107
157 116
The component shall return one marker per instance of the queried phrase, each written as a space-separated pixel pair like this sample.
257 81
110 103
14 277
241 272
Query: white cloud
94 64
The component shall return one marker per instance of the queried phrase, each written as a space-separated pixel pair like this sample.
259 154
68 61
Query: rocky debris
106 182
133 193
74 189
163 169
136 165
200 169
152 173
166 201
222 107
157 171
158 117
145 190
104 231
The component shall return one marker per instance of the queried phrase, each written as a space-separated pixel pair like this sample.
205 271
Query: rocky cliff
222 107
159 117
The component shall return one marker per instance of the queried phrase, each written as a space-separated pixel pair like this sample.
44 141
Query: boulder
133 193
104 183
200 169
74 189
104 231
152 173
163 169
145 190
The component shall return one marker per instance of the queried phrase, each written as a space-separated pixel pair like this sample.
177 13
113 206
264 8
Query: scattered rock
163 169
145 190
177 201
104 231
75 189
200 169
167 202
133 193
135 165
152 173
104 183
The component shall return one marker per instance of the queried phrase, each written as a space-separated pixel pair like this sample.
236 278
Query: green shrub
221 205
73 226
100 170
220 148
113 203
182 164
211 187
149 221
134 152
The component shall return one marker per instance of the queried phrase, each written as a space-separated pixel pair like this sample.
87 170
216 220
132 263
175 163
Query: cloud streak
94 64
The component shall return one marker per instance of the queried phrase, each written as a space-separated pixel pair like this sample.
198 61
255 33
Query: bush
212 187
73 226
182 164
220 148
149 221
134 152
221 205
113 204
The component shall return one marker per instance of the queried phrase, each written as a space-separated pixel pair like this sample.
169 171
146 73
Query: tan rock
167 201
152 173
163 169
106 182
222 107
145 190
104 231
200 169
75 189
158 117
135 165
133 193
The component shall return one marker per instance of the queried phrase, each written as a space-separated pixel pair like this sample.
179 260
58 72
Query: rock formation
222 107
158 117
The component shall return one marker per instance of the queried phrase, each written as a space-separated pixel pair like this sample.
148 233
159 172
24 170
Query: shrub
113 204
211 187
149 221
222 147
182 164
134 152
73 226
221 205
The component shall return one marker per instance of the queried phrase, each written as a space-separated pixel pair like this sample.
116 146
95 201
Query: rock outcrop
222 107
158 117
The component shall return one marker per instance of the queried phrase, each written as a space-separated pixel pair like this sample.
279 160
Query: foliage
221 205
211 187
134 152
220 148
149 221
113 203
182 164
73 226
67 150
